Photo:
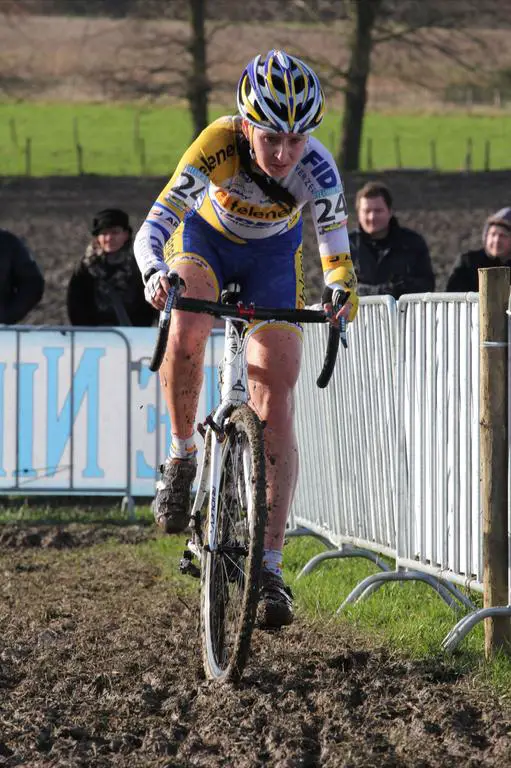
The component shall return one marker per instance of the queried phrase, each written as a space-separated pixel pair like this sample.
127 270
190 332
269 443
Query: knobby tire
231 577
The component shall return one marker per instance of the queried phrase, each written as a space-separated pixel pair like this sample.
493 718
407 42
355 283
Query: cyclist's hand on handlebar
336 305
158 286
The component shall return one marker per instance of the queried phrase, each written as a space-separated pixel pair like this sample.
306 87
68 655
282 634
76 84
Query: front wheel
231 564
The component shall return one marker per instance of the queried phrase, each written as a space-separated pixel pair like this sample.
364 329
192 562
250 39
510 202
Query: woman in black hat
105 287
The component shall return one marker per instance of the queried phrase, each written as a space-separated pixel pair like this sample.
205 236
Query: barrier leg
338 553
463 627
371 583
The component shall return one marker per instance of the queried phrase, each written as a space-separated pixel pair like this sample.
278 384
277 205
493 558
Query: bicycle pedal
187 567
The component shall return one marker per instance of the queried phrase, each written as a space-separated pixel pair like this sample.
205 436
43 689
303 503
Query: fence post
493 432
28 156
369 154
468 155
142 156
487 151
397 145
432 145
14 132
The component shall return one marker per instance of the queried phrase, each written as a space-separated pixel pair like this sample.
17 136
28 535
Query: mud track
99 666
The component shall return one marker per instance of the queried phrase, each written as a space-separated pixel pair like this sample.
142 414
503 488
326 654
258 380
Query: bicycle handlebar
249 313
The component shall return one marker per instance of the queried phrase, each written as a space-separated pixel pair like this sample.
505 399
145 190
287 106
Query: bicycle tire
230 575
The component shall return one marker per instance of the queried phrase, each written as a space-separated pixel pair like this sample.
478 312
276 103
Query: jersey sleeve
330 217
201 163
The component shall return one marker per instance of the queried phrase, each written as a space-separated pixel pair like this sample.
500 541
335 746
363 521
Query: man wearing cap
496 252
105 288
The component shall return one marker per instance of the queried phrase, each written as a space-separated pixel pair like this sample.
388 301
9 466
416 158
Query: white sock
272 561
182 448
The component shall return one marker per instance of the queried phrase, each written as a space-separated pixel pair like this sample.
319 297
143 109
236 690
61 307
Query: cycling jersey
210 181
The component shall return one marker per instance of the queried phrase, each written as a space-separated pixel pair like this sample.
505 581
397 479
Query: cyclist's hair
374 189
269 186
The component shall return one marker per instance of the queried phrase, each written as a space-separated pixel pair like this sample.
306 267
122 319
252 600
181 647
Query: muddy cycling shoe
171 505
275 608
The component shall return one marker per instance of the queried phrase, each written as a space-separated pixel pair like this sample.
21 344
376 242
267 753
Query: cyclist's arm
182 193
330 216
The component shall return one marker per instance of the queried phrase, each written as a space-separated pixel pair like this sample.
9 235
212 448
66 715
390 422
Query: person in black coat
388 258
496 252
21 281
105 288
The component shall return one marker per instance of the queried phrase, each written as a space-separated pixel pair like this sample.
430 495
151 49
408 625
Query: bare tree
418 31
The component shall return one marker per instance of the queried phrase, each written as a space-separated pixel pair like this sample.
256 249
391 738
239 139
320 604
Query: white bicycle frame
233 391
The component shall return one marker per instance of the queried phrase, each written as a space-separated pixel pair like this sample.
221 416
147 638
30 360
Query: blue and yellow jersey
210 180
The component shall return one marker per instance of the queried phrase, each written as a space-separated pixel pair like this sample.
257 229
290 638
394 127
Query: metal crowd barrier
390 453
346 491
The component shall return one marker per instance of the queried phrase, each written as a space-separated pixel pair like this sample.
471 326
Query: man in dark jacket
21 281
388 258
496 252
105 288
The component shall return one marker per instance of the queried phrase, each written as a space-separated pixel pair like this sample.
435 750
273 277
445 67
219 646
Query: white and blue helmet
280 93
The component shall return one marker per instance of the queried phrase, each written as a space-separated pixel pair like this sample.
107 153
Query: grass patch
57 511
408 617
127 140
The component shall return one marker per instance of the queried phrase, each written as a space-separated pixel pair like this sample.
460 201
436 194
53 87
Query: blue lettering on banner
142 468
2 430
26 419
85 382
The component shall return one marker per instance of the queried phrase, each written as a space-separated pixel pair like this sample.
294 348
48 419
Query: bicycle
229 513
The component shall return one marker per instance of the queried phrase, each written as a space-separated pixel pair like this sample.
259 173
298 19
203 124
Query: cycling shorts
269 270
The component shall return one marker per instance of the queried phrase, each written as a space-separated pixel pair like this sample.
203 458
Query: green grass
407 617
61 511
110 137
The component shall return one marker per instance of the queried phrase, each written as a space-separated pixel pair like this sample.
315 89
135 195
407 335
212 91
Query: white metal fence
390 453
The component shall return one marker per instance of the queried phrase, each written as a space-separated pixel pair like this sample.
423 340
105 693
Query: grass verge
127 139
408 617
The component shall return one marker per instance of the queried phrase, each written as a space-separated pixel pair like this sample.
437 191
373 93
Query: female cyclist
232 213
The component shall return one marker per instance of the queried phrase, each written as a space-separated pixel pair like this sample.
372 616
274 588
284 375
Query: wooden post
28 156
397 145
493 431
369 154
432 145
468 155
142 156
487 155
14 132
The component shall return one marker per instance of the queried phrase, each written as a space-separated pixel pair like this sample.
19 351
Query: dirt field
54 214
99 666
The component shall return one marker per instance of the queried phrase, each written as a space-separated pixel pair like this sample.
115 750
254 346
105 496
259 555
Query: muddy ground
99 666
54 215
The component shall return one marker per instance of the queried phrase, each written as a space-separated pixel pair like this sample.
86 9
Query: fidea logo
322 171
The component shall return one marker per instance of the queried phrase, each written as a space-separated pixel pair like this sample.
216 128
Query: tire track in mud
100 665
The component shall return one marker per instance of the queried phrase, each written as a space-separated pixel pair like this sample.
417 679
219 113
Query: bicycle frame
233 391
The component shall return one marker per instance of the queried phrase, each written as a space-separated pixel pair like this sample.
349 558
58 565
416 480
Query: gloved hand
339 301
154 289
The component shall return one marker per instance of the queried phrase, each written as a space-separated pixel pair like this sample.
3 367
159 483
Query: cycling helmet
280 93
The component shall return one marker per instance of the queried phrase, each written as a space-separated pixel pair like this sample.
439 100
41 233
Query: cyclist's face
277 153
374 216
498 242
112 239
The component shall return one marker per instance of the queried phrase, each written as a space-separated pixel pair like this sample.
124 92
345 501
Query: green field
45 139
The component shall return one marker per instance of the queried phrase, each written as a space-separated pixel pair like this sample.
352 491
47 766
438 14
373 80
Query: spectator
21 281
105 287
388 258
496 252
